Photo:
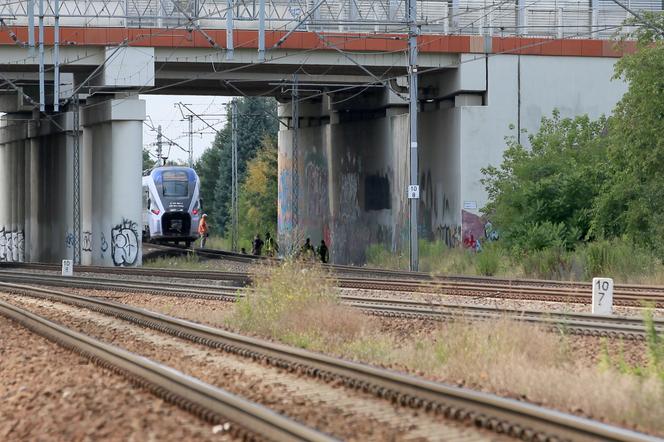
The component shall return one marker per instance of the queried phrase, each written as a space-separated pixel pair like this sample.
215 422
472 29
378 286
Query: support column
86 197
34 239
19 244
11 237
4 202
117 142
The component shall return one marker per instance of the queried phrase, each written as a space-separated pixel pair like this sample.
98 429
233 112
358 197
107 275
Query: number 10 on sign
602 296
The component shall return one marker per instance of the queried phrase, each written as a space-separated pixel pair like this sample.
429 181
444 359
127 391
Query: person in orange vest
203 230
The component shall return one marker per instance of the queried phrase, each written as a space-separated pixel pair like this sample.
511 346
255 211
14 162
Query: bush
379 256
552 263
618 258
296 303
488 260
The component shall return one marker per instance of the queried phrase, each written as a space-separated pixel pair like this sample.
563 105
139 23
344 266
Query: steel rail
508 416
205 400
573 323
421 276
629 295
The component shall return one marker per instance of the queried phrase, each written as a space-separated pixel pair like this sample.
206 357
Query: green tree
632 201
258 195
148 162
542 196
255 121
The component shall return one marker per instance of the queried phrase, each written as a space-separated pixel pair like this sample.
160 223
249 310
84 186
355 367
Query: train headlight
155 211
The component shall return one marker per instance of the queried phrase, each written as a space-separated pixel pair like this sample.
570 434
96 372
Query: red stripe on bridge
173 38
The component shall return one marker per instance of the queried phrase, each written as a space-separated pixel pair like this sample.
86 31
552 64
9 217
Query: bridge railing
547 18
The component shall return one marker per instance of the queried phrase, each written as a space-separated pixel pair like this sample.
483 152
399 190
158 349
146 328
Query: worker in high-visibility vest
203 231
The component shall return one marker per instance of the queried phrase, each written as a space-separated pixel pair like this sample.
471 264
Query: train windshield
175 183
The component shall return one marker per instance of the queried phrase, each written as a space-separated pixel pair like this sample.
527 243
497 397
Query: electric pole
159 149
295 191
191 140
234 179
413 188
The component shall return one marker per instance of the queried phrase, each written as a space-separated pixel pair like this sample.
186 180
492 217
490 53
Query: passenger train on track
171 205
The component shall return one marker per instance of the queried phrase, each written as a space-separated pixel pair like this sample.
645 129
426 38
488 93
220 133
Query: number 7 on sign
602 296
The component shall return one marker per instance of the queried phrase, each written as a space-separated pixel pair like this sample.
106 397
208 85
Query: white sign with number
413 192
67 267
602 296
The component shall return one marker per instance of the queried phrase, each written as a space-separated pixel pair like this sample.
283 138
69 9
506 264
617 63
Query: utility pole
159 148
191 140
295 191
77 181
234 179
413 188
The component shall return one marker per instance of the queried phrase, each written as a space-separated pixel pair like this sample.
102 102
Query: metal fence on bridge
548 18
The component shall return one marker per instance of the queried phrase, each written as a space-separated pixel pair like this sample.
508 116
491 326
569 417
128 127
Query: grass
618 259
186 262
296 304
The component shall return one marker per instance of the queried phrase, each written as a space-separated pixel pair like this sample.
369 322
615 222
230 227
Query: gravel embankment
495 302
345 413
49 393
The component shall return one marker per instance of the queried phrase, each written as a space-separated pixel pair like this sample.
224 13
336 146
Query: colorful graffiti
284 196
476 229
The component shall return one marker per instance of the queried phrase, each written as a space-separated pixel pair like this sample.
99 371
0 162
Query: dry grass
297 305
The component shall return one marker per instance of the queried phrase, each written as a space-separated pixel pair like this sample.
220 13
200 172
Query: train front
178 189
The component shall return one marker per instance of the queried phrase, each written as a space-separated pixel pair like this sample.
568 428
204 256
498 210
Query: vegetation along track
208 402
572 323
507 416
626 295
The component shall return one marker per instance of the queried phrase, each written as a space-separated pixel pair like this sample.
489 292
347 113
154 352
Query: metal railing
547 18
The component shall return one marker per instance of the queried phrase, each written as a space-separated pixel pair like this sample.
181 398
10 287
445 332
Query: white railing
549 18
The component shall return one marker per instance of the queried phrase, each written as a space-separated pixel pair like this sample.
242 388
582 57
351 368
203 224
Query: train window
175 183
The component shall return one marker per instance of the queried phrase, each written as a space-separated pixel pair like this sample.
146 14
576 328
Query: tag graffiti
125 243
86 242
12 245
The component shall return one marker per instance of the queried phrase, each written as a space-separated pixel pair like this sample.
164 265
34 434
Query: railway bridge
72 73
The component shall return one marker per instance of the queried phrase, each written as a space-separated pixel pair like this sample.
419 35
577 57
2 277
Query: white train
171 205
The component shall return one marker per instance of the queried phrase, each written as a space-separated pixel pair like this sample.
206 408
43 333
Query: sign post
67 267
602 296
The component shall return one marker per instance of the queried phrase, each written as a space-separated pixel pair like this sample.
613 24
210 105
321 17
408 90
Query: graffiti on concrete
125 243
19 244
3 245
490 233
70 240
86 242
450 235
285 201
104 244
477 229
12 245
316 199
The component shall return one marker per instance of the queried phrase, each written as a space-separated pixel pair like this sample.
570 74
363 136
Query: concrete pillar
117 142
19 243
4 201
11 237
33 202
86 196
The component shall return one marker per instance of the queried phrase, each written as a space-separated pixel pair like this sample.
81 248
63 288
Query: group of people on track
307 250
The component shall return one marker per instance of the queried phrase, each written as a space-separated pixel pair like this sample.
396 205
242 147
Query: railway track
510 417
204 400
626 295
572 323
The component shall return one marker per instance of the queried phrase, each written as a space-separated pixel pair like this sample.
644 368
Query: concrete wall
349 171
343 163
37 185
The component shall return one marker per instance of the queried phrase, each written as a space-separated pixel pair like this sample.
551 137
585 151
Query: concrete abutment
352 156
37 184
